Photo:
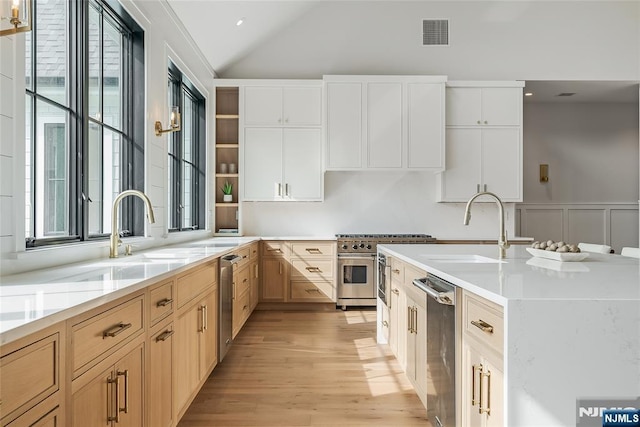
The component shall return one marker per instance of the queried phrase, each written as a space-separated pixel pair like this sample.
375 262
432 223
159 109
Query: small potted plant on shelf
227 188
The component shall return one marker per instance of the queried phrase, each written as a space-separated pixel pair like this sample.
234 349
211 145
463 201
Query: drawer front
397 272
242 282
484 321
317 291
308 249
244 253
106 330
312 268
254 251
160 302
241 311
29 375
195 282
273 248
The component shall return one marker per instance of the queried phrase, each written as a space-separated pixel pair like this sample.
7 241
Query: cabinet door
502 163
344 126
398 324
493 383
274 279
262 164
187 347
92 405
384 125
462 176
471 374
425 137
208 337
463 106
302 158
129 371
421 351
160 410
411 342
501 106
302 106
262 106
255 284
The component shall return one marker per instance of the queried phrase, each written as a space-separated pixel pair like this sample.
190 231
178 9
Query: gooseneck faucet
503 244
115 237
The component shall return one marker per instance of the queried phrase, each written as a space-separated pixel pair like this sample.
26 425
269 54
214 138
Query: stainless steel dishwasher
441 350
225 320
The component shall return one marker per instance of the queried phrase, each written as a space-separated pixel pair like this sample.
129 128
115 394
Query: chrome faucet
115 237
503 244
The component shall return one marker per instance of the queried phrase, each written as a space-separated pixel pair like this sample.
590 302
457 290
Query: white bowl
558 256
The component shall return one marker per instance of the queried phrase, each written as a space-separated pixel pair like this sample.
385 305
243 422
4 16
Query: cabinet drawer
244 253
28 375
307 249
484 321
160 301
241 311
254 251
312 268
273 248
105 331
242 282
317 291
397 271
196 281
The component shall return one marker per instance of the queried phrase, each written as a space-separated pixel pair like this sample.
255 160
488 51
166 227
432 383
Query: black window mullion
77 132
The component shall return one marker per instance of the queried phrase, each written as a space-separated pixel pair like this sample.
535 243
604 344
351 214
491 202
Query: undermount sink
470 259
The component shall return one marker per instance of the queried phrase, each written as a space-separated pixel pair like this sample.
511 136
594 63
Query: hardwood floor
307 369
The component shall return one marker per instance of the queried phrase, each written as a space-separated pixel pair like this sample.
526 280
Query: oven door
356 277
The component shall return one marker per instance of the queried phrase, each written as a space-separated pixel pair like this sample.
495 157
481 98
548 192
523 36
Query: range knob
354 247
361 245
344 247
368 246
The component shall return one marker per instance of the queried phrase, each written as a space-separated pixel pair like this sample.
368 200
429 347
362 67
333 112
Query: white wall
374 202
499 40
591 150
164 38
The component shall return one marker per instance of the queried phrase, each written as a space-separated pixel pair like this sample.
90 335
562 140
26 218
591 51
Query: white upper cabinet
283 105
302 164
385 122
487 106
262 163
484 141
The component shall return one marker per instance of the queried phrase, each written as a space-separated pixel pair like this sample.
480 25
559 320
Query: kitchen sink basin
466 259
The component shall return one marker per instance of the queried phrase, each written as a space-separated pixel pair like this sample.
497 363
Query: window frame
79 121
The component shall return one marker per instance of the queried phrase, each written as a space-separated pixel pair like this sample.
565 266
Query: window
84 120
186 156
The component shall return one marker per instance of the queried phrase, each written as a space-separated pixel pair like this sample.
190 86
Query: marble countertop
523 277
34 300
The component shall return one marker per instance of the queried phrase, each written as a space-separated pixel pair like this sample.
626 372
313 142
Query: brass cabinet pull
286 185
280 268
255 271
485 185
165 335
115 405
482 325
201 328
244 280
488 407
312 290
395 291
385 323
415 320
478 185
205 317
244 308
117 329
480 408
164 302
395 270
124 374
314 269
233 290
313 250
274 250
409 319
280 189
473 385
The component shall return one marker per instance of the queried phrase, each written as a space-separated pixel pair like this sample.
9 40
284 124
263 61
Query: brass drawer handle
165 335
313 250
314 269
274 250
395 291
165 302
119 328
115 405
385 323
125 374
396 271
244 280
312 290
482 325
487 408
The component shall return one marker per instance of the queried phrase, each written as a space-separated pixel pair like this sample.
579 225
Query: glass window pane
28 61
28 189
187 172
94 64
174 205
51 171
187 128
51 50
112 175
112 74
94 191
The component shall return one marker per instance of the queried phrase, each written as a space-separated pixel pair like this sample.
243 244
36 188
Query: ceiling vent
435 32
566 94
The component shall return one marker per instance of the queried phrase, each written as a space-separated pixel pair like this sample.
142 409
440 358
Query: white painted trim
383 79
488 83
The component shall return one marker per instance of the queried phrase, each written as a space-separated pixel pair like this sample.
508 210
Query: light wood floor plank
307 369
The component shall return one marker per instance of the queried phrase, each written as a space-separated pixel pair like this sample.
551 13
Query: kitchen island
571 329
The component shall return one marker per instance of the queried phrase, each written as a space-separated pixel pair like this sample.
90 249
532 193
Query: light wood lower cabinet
46 414
274 279
111 394
195 351
416 349
482 361
160 378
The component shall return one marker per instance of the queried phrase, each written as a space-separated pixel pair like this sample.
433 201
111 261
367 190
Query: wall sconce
15 16
544 173
174 125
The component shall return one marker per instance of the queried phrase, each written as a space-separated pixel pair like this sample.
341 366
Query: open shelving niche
227 214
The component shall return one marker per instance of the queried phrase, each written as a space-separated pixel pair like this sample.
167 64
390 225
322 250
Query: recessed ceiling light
240 21
528 94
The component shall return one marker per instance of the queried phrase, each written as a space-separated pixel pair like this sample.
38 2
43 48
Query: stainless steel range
357 265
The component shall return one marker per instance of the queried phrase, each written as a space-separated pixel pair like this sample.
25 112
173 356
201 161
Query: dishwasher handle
445 298
232 259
